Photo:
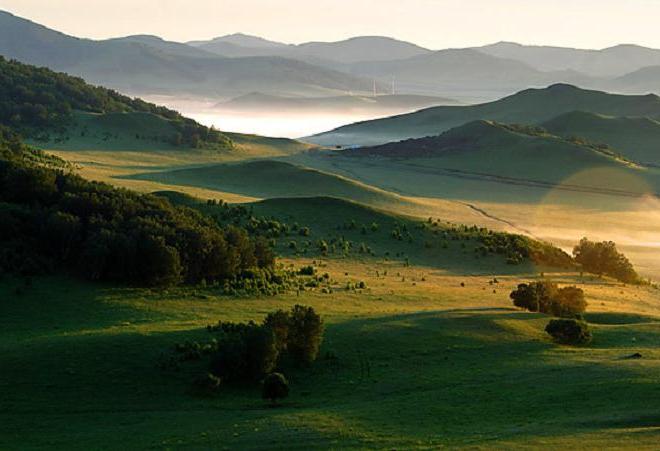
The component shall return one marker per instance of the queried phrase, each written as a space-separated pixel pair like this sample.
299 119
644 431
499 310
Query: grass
420 365
269 178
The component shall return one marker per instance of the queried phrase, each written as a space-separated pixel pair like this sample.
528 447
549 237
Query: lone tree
275 387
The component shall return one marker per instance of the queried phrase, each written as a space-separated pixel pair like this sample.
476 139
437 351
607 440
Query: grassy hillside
495 149
532 106
638 138
268 178
38 101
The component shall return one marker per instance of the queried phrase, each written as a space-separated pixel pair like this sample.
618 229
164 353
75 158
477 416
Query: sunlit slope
638 138
532 106
485 148
268 178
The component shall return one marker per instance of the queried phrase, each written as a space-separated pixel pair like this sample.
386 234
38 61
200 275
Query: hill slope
638 138
516 153
268 178
529 106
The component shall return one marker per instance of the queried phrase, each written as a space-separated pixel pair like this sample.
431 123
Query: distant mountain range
236 65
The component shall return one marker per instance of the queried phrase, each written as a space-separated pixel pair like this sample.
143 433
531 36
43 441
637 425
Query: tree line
51 219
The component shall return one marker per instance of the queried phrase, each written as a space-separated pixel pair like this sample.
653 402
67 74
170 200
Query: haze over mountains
532 106
239 64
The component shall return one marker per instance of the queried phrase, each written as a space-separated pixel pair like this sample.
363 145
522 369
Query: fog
267 121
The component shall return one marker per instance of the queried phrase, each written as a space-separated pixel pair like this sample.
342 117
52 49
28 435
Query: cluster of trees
546 297
604 259
51 219
33 97
245 352
569 331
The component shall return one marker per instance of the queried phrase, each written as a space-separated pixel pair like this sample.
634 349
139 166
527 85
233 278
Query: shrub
305 334
569 331
275 387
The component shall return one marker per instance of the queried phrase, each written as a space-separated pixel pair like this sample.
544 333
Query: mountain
361 48
638 138
461 72
646 79
610 62
243 40
531 106
382 104
147 65
511 153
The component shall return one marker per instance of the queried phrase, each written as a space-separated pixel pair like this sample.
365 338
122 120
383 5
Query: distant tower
393 85
375 92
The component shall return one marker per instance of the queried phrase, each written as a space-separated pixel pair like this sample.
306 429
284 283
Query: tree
275 387
604 259
305 334
279 322
545 297
569 331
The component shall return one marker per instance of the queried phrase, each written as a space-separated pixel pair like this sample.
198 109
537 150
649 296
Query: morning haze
329 225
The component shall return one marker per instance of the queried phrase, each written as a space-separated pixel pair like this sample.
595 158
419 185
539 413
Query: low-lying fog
268 121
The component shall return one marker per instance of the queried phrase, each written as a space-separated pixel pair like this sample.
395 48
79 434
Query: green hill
638 138
532 106
268 178
40 102
487 148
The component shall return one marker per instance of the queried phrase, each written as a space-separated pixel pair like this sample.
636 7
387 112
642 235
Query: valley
244 243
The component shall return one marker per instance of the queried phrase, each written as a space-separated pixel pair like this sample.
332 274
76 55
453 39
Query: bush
569 331
545 297
275 387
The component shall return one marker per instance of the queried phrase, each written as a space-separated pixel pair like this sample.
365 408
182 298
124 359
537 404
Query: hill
269 178
148 65
531 106
516 154
39 102
638 138
641 80
610 62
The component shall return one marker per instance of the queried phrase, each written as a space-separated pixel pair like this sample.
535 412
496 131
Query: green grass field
419 364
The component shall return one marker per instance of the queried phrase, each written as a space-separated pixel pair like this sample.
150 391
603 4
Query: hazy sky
431 23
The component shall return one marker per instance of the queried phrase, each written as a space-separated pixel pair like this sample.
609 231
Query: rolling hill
638 138
487 147
269 178
531 106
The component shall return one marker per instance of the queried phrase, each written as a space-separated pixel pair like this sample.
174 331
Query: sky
434 24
